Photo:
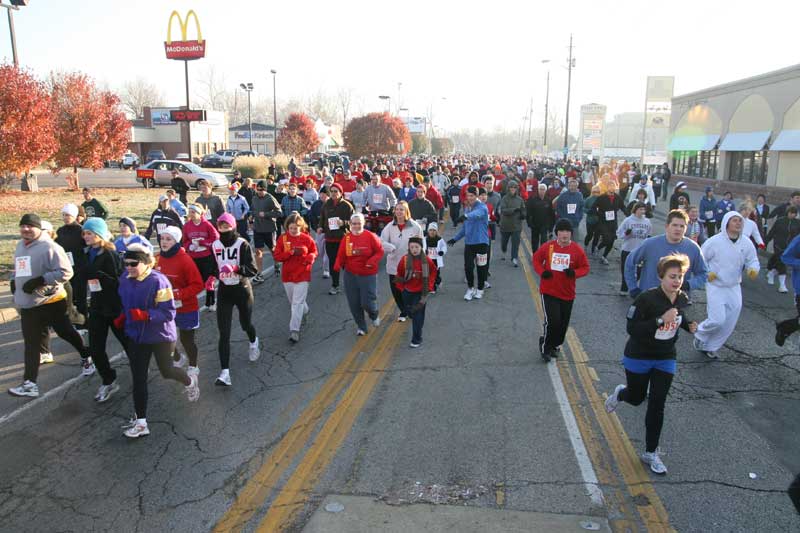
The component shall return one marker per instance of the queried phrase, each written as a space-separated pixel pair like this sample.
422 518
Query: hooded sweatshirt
182 273
727 258
395 242
640 230
41 257
201 235
569 205
296 268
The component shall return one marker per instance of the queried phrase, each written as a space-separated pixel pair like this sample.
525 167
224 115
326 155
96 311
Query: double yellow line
636 479
361 374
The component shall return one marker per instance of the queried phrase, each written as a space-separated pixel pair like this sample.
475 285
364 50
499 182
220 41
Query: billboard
184 49
593 117
162 116
658 101
415 124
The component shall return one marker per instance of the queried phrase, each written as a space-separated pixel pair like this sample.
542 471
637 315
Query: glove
119 322
32 284
451 242
227 269
139 315
636 291
628 231
462 218
752 273
210 283
547 274
300 250
762 246
441 253
175 294
570 273
711 276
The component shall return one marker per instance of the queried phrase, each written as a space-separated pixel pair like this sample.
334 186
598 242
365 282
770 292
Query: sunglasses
132 263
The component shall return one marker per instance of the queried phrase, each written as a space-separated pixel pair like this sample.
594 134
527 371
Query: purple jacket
154 295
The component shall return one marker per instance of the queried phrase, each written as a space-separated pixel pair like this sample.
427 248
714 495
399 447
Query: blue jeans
411 299
514 236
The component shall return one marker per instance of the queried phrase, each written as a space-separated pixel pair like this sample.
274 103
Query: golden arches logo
183 23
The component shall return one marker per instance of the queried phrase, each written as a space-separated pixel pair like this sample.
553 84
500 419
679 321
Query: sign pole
188 124
644 127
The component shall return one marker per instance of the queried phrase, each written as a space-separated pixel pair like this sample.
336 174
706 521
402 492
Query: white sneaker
613 399
212 308
376 321
402 318
182 362
603 260
515 263
87 367
698 345
105 392
414 345
224 378
193 389
255 352
193 370
771 277
326 274
333 291
361 332
478 294
782 289
45 358
139 429
652 459
487 285
28 389
469 294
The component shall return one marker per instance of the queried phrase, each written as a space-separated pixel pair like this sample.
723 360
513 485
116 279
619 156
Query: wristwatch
660 321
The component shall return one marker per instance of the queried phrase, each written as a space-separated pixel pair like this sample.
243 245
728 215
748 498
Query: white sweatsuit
726 259
750 231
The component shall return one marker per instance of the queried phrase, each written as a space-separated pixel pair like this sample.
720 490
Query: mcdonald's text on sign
185 49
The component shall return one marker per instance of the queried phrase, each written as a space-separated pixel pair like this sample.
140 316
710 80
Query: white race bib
207 214
94 285
178 304
610 216
481 259
455 199
709 215
377 198
334 223
160 228
559 262
571 208
432 253
71 259
229 278
22 266
668 331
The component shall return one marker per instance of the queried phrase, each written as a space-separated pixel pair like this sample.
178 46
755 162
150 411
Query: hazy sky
484 57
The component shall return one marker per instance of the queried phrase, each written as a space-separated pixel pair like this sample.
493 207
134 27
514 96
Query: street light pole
10 9
274 113
248 87
546 105
569 87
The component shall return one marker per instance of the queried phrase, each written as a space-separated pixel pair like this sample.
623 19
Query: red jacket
296 268
433 195
560 285
477 185
359 254
202 235
415 283
186 281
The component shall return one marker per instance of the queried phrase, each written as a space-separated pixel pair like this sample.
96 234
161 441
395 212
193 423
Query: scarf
172 251
227 238
409 259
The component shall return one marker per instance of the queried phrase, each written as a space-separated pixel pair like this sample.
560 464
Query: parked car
183 157
246 152
159 173
152 155
130 160
212 160
227 155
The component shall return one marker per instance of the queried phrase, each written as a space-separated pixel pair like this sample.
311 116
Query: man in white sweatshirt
727 254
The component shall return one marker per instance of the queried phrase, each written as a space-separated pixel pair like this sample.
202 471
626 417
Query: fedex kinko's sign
184 49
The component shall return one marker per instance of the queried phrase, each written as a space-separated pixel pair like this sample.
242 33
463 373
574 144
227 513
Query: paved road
472 418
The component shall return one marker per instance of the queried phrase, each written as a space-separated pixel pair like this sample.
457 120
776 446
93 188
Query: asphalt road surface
472 431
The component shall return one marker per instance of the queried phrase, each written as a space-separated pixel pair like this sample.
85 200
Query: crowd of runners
145 288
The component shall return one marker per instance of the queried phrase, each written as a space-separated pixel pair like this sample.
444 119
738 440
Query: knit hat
97 226
228 219
235 186
139 252
262 184
417 240
367 175
163 198
563 225
433 225
128 222
70 209
46 226
709 188
174 232
31 219
337 187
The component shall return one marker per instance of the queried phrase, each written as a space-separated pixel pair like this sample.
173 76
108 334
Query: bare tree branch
137 94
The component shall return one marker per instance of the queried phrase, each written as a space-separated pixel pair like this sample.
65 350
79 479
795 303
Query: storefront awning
752 141
693 143
787 141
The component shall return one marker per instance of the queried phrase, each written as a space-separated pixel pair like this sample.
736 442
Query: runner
422 210
265 209
541 216
559 263
93 206
569 205
237 206
633 231
314 215
182 272
783 230
103 270
436 248
791 257
605 208
128 234
176 204
727 254
148 316
198 236
236 266
723 207
512 213
416 277
334 223
708 206
379 196
750 229
41 269
680 197
162 218
70 238
394 239
453 194
211 202
360 256
298 251
650 357
475 233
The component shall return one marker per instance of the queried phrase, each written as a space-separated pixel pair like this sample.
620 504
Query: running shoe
28 389
698 345
130 423
487 285
469 294
193 389
45 358
613 399
212 308
376 322
652 459
254 352
603 260
87 367
137 430
193 370
294 336
546 356
782 289
333 291
326 274
515 263
711 354
181 362
479 293
414 344
257 279
623 293
781 334
402 318
361 332
224 378
105 392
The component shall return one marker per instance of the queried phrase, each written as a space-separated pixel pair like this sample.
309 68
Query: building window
701 164
748 167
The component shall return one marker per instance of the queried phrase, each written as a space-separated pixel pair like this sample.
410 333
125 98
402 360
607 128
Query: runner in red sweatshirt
297 250
559 263
416 276
198 236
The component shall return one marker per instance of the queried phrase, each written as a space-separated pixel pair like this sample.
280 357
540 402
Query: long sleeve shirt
359 254
475 229
555 258
652 250
293 203
237 206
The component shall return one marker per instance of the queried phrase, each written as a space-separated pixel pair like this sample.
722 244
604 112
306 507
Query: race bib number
377 198
22 266
262 214
529 188
71 258
610 216
482 259
229 278
94 285
709 215
571 208
559 262
334 223
160 228
432 253
178 304
668 331
207 214
455 199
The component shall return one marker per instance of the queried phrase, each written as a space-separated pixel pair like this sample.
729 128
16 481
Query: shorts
644 366
260 240
186 321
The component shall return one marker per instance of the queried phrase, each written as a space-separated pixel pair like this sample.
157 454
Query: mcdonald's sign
184 49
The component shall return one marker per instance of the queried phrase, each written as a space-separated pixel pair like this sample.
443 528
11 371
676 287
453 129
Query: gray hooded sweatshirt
45 258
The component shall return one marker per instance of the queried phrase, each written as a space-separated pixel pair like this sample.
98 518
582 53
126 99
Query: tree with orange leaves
298 135
377 133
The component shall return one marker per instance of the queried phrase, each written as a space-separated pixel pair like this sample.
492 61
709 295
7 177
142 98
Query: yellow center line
261 484
295 493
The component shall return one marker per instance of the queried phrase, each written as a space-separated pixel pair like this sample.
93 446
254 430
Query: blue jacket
475 229
705 206
289 204
791 257
723 206
412 193
121 247
649 253
237 206
564 200
178 206
153 294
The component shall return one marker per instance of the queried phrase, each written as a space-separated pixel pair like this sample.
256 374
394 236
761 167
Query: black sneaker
541 344
546 356
782 332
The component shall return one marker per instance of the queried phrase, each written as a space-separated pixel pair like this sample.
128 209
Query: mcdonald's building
742 136
156 131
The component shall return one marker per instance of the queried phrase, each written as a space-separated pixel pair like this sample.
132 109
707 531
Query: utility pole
530 121
10 9
546 105
569 87
274 113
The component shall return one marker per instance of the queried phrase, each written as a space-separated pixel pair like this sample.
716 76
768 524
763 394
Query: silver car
159 172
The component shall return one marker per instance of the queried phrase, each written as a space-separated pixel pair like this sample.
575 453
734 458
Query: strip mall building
742 136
